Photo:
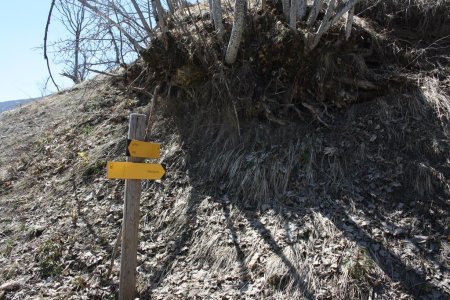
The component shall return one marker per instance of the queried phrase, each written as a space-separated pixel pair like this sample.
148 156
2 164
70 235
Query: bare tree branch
301 11
286 9
293 14
216 13
161 15
104 73
45 43
348 26
315 9
98 12
329 21
141 16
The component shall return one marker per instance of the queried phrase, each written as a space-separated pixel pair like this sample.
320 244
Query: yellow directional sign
143 149
129 170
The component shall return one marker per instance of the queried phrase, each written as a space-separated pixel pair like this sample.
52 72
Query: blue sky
22 69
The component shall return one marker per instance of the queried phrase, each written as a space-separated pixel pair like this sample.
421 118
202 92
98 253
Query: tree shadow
408 277
87 220
294 273
182 241
391 146
235 240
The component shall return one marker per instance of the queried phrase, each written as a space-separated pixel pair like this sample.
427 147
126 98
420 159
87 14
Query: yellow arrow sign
129 170
143 149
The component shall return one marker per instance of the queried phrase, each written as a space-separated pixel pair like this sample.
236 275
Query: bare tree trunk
211 9
217 17
236 32
286 9
161 15
76 65
331 5
301 11
315 9
348 26
293 14
342 10
323 25
78 75
84 69
329 21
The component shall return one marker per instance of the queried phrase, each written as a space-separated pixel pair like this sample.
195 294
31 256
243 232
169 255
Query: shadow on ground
378 173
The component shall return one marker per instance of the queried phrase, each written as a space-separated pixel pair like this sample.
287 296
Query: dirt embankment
354 209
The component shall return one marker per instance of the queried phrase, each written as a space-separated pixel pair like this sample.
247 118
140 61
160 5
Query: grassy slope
361 208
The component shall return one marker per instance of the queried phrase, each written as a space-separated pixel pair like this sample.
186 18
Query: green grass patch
49 256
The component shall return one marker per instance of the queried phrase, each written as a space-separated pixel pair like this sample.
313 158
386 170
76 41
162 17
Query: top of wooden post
136 130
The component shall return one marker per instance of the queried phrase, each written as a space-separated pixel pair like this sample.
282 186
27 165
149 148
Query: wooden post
130 223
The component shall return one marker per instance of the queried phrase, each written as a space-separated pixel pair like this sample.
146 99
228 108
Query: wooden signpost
133 171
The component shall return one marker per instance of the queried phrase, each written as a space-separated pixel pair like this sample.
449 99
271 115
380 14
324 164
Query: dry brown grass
298 259
435 96
257 176
427 16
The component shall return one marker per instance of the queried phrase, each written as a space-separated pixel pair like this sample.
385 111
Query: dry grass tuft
435 97
427 16
259 174
426 179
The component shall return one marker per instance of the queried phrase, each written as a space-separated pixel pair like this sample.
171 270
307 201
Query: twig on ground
359 83
114 253
315 113
104 73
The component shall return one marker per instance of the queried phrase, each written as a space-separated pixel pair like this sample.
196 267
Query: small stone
265 207
11 286
36 231
365 224
399 232
254 261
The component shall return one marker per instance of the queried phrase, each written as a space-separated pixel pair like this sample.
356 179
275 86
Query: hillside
278 186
